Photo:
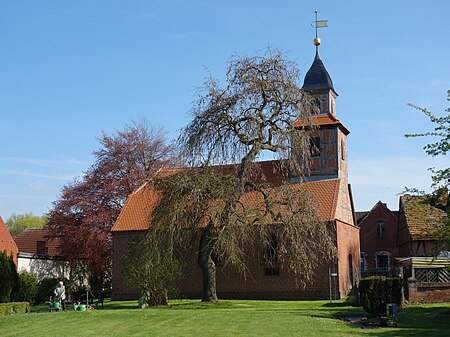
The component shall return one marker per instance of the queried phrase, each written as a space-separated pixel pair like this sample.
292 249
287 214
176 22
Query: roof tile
27 242
421 217
137 212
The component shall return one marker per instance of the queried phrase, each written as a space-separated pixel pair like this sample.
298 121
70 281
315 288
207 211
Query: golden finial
318 24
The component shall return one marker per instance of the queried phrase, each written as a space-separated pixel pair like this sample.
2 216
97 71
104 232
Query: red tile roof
421 217
6 241
27 242
320 120
136 215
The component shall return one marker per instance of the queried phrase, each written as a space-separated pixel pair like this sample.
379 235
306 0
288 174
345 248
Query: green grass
226 318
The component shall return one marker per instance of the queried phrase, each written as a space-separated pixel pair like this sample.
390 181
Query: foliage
83 215
48 285
17 223
441 178
205 206
152 271
13 308
28 288
377 291
8 277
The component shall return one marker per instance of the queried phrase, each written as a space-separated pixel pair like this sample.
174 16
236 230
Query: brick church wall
256 285
121 244
348 245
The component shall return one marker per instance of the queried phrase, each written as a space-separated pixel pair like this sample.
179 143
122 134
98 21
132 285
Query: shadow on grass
335 305
426 320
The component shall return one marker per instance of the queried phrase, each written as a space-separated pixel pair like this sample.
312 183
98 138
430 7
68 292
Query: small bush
28 288
377 291
13 308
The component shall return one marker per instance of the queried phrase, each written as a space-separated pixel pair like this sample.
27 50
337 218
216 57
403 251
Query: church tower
329 156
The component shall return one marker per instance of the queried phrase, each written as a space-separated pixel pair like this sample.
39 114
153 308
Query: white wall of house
42 267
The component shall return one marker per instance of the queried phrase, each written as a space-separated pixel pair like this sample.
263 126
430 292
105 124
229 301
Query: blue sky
71 69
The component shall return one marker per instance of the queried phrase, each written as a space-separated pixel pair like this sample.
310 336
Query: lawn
226 318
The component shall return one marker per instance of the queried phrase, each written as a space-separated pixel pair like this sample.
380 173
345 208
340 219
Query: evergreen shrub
8 277
27 289
377 291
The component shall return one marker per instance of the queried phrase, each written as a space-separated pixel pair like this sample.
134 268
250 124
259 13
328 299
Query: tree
441 177
151 271
205 205
83 215
17 223
8 277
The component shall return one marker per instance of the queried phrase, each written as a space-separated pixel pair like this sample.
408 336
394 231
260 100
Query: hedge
377 291
13 308
28 288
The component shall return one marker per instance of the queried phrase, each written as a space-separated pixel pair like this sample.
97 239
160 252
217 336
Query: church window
342 149
314 146
350 268
271 271
271 257
270 252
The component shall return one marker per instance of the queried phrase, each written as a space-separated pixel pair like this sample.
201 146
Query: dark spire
317 76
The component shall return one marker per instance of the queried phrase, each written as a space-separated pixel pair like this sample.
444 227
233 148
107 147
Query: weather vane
318 24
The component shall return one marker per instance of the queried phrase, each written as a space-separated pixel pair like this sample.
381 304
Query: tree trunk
207 266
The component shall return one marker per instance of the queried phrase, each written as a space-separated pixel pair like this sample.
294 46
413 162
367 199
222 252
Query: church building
327 184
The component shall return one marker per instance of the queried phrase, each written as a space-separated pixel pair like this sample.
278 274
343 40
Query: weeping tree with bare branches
222 203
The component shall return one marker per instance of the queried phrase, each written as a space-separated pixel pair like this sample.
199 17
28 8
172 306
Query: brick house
428 276
328 186
417 218
7 243
378 230
39 255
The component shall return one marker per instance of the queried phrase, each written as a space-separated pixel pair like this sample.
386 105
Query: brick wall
121 242
428 292
348 245
7 242
256 285
371 243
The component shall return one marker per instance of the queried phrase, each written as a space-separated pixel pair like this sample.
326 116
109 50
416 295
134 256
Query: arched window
350 268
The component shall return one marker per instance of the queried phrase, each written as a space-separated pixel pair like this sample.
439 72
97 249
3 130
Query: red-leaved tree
83 215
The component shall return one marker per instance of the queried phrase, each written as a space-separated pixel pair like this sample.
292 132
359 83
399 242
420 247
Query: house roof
361 216
421 217
27 242
138 210
321 120
7 242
